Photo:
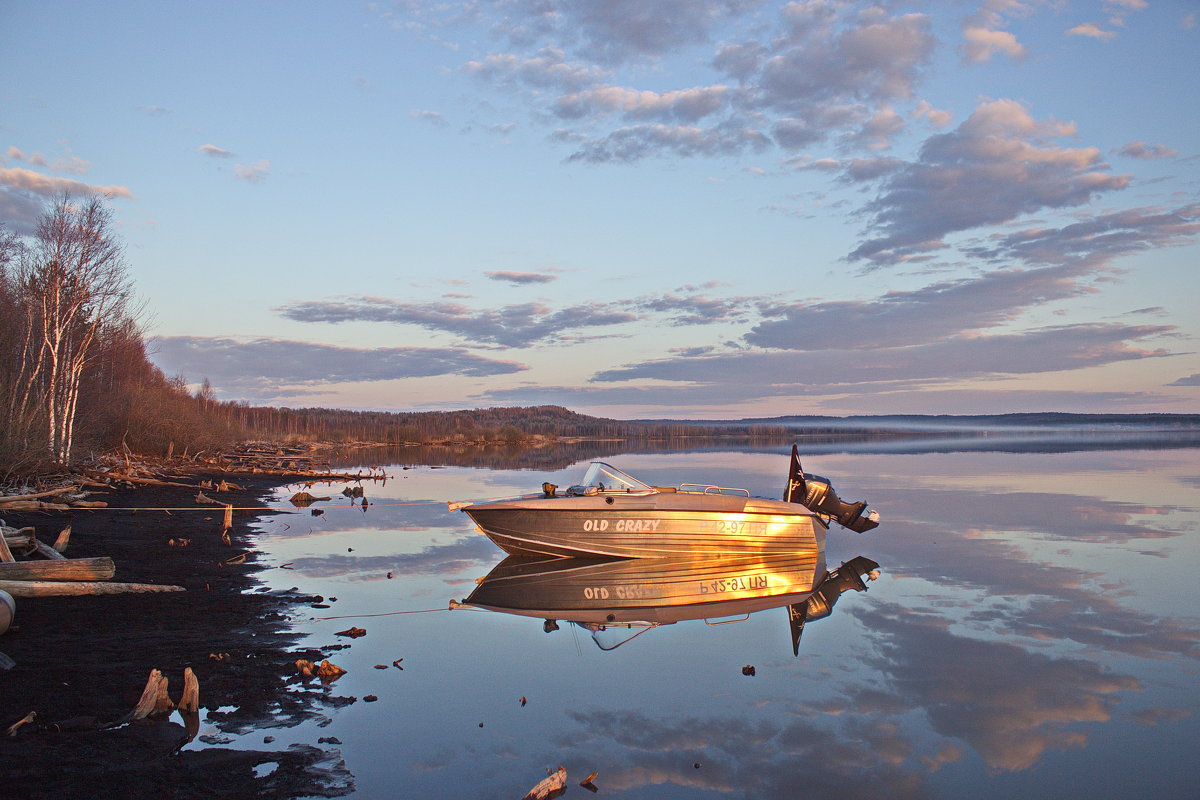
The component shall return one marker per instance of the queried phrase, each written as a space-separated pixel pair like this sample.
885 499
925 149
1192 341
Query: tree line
75 377
74 374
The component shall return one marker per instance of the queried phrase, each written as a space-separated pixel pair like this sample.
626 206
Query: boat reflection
639 594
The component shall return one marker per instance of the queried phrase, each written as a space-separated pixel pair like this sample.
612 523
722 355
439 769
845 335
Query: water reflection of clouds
767 758
1033 598
1011 705
471 552
1070 517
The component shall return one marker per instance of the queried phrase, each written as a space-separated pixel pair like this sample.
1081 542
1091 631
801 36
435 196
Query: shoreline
82 661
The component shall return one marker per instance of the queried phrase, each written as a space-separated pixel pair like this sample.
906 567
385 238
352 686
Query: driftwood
552 786
153 702
6 555
76 588
4 501
190 701
28 718
21 541
64 538
100 568
47 551
35 505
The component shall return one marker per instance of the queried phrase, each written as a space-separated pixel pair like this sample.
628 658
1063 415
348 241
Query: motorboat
611 514
636 594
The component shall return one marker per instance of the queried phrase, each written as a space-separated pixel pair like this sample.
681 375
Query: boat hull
654 590
655 527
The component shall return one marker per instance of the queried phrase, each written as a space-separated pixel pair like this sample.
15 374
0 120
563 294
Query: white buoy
8 610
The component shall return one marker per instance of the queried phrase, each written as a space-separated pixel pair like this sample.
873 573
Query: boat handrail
724 621
706 488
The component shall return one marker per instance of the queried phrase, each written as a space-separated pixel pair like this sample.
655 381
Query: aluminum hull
658 525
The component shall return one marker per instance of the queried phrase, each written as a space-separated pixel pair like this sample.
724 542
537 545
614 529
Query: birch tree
75 289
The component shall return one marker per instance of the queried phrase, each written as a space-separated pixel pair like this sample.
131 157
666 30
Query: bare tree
74 290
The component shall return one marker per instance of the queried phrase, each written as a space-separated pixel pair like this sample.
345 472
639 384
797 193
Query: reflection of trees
551 455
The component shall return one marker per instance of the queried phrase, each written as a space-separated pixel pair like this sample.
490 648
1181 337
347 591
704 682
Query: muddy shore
82 662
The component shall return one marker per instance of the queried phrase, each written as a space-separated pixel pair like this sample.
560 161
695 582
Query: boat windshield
606 478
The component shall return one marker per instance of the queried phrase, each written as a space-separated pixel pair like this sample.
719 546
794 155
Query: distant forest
75 379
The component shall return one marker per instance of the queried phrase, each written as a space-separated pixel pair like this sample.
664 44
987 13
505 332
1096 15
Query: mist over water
1033 634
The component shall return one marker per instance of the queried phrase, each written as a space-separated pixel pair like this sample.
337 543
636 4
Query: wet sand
83 661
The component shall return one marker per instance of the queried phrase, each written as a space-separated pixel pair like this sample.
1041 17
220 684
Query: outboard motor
820 603
818 495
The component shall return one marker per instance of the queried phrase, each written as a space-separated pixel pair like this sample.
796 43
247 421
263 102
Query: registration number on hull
744 583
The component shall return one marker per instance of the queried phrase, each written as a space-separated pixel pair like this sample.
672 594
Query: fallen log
6 555
22 542
76 588
46 551
100 568
35 495
34 505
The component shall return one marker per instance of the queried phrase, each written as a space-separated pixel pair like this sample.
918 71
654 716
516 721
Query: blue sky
684 208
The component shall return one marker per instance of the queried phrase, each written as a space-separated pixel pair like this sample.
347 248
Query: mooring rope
383 614
219 506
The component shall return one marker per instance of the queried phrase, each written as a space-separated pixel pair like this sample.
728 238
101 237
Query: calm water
1033 634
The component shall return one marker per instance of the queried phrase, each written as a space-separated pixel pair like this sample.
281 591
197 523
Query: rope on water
221 506
384 614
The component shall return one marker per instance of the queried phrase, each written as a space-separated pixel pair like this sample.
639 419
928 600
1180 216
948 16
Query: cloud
214 151
253 173
983 34
828 59
936 117
921 316
980 44
687 105
1091 31
261 364
70 164
877 132
510 326
548 69
434 118
990 170
27 180
695 309
831 69
619 29
521 278
1189 380
23 193
626 145
963 357
1096 240
1142 150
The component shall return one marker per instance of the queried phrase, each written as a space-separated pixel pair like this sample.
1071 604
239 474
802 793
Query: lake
1033 633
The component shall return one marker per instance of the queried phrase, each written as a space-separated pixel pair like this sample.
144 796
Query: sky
635 208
